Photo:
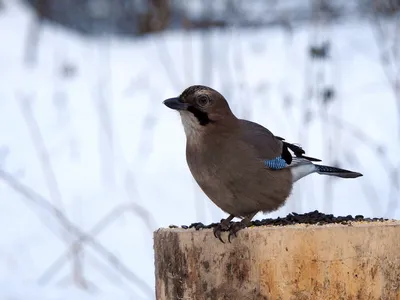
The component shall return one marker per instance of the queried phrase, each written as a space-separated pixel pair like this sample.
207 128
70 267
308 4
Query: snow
115 149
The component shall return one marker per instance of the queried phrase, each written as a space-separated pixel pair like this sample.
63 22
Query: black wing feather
297 150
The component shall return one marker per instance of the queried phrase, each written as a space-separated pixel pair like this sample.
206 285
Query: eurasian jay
240 165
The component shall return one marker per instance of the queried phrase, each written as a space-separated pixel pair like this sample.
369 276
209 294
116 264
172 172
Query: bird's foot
222 226
235 228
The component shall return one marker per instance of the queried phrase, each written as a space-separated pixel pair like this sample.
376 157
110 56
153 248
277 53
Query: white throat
191 125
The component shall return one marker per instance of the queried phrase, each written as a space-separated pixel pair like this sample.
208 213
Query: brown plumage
227 155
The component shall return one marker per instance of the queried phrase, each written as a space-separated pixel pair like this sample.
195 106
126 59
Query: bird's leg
234 229
222 226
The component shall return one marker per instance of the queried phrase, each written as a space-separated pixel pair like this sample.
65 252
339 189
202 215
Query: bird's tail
332 171
302 167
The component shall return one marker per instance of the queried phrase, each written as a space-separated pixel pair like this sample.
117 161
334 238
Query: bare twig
78 258
108 272
42 152
32 39
363 137
105 222
306 115
168 63
139 210
47 167
391 68
386 163
40 201
106 130
367 188
187 47
77 254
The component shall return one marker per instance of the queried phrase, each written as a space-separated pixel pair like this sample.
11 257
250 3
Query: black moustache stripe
201 116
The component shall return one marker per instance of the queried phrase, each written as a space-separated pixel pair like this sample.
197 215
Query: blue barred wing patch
276 163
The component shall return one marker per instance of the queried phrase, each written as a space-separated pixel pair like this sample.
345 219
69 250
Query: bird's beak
175 103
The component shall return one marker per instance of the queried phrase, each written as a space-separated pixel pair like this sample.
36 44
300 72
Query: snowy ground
85 129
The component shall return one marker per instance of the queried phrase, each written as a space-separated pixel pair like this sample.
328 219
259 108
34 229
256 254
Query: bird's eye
203 101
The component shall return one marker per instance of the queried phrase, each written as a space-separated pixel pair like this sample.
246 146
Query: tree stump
360 260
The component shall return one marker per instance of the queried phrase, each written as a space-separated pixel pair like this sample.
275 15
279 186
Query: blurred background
91 162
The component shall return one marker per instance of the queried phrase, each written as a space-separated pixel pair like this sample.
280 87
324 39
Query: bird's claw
219 229
234 229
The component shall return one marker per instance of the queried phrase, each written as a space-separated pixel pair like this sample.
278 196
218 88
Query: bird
239 164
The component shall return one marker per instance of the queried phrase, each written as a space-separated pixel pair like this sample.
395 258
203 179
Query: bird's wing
273 149
263 142
297 150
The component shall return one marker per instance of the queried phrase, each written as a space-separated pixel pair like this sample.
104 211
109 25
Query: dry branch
40 201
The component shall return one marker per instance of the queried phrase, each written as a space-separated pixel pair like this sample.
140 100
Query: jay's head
200 107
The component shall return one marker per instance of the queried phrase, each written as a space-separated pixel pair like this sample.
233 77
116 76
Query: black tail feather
332 171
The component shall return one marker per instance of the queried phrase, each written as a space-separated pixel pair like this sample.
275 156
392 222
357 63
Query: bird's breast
203 165
217 163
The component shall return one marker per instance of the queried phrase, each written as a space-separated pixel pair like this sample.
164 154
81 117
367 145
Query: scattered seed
314 217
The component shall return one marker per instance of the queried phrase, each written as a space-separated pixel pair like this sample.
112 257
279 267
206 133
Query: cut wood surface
360 260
